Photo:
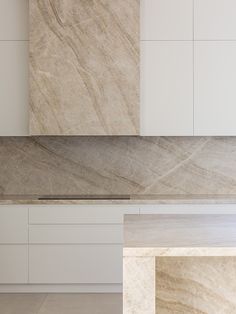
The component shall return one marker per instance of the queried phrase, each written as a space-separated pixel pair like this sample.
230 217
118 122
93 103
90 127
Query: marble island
179 264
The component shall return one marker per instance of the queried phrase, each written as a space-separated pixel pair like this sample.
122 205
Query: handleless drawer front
166 19
13 264
75 214
13 224
64 234
55 264
215 19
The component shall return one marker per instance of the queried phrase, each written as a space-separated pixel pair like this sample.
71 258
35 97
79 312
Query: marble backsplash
118 165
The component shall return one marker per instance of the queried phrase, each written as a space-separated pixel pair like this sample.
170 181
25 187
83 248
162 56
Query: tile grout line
42 303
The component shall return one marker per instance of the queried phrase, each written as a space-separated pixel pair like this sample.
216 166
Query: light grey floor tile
82 304
21 303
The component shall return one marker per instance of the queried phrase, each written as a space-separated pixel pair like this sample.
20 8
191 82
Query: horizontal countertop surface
117 199
180 235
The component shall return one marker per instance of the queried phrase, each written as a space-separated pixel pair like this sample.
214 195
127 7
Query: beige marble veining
84 67
195 285
160 169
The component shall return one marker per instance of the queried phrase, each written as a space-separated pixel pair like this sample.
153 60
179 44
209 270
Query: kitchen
109 108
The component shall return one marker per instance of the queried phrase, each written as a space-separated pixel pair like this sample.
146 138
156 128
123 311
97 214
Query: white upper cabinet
215 88
14 19
215 20
166 67
166 19
14 68
166 88
14 88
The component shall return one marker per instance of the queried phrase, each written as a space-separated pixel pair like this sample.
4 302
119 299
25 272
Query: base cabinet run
62 244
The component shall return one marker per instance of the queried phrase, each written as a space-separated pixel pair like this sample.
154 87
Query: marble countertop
118 199
180 235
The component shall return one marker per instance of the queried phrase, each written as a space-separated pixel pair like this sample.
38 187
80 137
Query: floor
61 303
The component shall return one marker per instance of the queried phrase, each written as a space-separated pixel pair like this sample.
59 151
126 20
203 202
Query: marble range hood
84 67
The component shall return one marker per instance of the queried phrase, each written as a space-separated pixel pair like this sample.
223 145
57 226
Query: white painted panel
166 88
14 19
13 264
215 19
13 224
75 264
189 209
13 88
166 19
79 214
215 88
76 234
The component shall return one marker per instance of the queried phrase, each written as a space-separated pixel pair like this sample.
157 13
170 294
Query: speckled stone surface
139 285
84 67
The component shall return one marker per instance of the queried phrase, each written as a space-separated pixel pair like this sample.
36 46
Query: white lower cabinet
62 245
13 224
76 244
13 244
75 264
13 264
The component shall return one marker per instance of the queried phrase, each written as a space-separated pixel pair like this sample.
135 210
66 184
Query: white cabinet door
14 19
166 88
13 224
215 20
166 19
13 88
13 264
215 88
55 264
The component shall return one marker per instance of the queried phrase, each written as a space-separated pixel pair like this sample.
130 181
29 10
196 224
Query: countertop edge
116 202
